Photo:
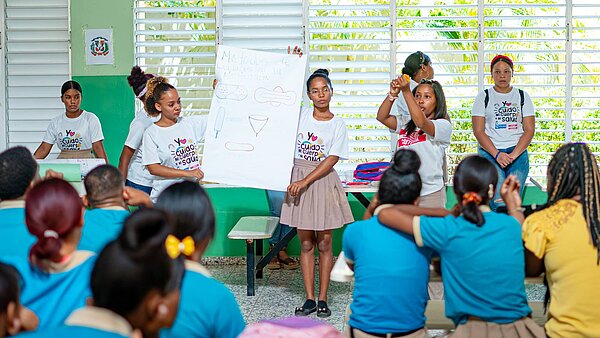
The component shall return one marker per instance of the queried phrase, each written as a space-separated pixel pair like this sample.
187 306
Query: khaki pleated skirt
522 328
321 206
73 154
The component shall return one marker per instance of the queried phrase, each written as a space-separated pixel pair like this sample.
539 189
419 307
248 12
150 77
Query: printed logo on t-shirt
311 148
70 140
416 136
507 115
184 153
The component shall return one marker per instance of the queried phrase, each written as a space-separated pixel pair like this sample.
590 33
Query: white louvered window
37 64
364 43
352 41
584 123
177 39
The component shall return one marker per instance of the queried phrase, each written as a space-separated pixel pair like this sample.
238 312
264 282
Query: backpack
487 98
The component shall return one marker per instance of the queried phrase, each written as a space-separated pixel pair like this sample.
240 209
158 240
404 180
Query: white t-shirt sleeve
51 132
339 144
528 107
479 105
149 148
136 135
443 130
95 129
401 121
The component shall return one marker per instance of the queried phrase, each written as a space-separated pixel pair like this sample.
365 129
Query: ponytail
52 210
155 87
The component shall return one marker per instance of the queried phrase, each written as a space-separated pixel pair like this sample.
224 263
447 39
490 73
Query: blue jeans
275 203
143 188
519 167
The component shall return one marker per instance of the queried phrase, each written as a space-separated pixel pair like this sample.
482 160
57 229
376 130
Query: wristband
521 209
496 157
392 98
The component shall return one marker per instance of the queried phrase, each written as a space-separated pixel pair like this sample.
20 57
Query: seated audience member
14 317
562 240
55 275
379 307
135 285
18 171
291 327
208 308
483 260
104 188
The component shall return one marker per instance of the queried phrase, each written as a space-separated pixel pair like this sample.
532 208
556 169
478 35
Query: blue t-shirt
390 278
53 296
66 331
101 226
483 268
15 239
207 308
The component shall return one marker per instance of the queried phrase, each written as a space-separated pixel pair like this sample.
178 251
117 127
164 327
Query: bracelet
392 98
521 209
496 157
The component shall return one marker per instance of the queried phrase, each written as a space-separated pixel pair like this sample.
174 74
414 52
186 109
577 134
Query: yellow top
560 236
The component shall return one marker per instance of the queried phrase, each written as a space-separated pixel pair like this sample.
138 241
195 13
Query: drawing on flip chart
276 96
258 122
219 121
239 146
230 92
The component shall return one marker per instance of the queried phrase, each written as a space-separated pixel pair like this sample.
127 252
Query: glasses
317 91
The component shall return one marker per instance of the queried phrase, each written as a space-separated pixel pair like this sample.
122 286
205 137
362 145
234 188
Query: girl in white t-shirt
315 202
170 145
427 131
130 163
504 123
76 132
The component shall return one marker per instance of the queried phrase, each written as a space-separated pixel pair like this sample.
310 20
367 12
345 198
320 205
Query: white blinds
177 39
37 64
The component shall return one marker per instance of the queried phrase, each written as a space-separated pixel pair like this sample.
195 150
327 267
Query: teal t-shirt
483 268
101 226
65 331
15 239
53 296
390 278
207 309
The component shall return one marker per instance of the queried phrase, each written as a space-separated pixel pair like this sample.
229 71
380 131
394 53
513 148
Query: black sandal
307 308
323 310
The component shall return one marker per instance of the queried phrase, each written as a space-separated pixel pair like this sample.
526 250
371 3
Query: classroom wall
107 94
105 89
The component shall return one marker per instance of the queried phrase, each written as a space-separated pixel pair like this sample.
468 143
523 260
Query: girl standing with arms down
563 240
315 202
76 132
504 124
170 146
427 131
130 163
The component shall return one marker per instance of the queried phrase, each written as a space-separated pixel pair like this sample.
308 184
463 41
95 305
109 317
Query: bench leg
250 267
259 254
275 250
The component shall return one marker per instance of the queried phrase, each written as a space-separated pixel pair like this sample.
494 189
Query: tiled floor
280 291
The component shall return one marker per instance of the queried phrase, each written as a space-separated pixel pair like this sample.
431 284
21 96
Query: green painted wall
105 89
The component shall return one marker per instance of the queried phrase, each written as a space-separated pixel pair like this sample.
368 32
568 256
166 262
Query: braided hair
572 171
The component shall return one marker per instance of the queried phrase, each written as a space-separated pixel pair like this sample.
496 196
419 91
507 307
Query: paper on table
71 171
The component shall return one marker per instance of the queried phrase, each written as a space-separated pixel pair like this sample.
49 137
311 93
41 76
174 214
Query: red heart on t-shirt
314 138
72 133
183 141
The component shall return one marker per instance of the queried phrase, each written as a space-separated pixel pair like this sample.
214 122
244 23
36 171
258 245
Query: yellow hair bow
175 247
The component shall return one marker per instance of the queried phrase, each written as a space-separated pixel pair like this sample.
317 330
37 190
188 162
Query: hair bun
406 161
322 71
